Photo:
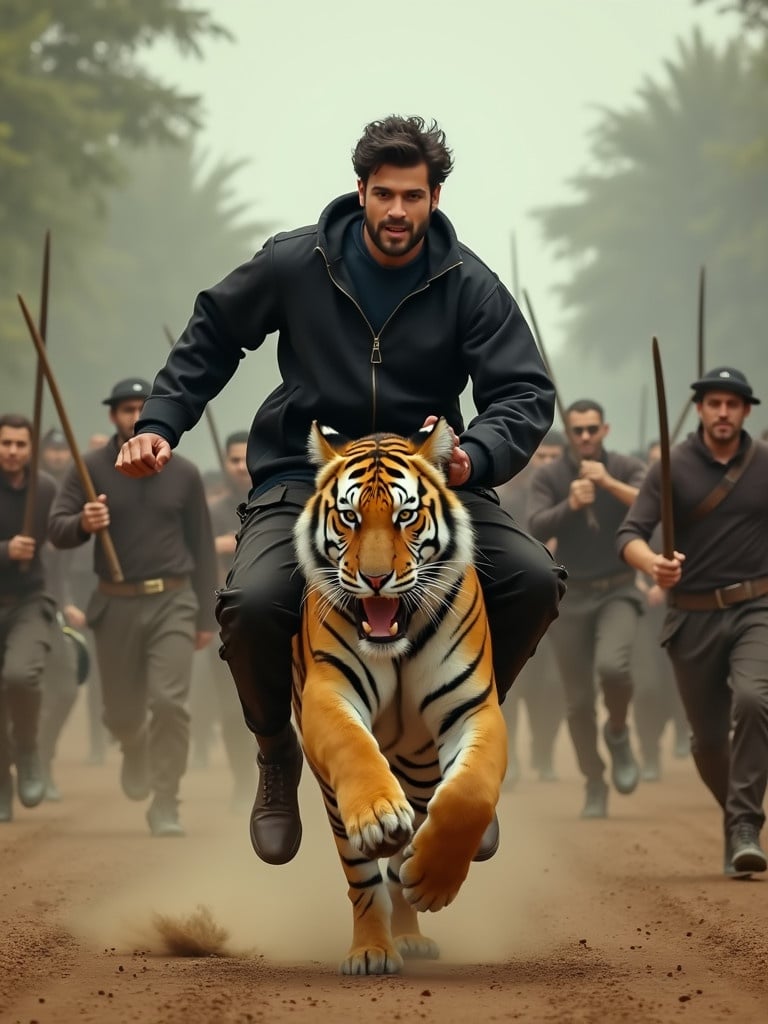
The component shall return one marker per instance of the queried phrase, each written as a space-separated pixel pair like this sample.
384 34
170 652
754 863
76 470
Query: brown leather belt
723 597
140 588
603 582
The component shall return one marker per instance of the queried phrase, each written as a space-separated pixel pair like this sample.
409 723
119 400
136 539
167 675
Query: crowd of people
383 316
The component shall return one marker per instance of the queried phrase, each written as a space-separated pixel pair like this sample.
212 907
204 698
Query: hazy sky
516 85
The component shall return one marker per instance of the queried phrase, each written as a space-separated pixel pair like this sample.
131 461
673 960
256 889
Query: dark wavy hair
16 421
403 142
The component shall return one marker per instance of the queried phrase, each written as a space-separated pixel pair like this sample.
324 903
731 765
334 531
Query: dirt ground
627 919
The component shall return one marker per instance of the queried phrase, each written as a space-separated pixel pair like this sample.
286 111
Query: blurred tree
754 12
173 228
678 184
72 90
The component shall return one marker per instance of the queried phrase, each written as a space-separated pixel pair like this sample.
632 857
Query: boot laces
744 833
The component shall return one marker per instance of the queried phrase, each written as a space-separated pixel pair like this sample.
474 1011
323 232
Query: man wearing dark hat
716 628
148 625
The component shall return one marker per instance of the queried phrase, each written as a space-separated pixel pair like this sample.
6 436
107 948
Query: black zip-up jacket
461 323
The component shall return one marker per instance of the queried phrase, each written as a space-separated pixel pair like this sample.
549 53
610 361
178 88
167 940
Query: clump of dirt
196 934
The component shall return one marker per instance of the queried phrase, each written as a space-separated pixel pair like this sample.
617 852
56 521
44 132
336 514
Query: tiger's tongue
380 613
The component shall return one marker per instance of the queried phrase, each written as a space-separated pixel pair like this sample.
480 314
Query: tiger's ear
435 443
324 444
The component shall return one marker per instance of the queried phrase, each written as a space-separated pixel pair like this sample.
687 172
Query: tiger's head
383 538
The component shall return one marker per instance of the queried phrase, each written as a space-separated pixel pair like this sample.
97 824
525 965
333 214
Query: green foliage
73 93
172 229
679 180
754 13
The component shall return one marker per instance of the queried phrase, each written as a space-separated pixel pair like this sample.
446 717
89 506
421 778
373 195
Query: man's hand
459 469
581 494
74 616
143 455
589 469
655 596
666 572
95 515
202 639
225 544
21 548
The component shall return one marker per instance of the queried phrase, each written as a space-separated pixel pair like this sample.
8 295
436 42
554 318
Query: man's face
722 414
545 454
586 431
15 449
56 460
654 454
236 467
124 416
397 206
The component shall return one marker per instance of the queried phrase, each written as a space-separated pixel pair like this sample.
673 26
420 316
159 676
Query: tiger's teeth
394 629
367 628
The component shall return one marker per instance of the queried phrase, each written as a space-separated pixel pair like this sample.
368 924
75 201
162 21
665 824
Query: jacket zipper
376 347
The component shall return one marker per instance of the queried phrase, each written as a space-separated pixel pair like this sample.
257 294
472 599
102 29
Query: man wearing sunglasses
580 500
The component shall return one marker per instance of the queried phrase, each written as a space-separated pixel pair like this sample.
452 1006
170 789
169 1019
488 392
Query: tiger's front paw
372 960
417 947
432 872
382 828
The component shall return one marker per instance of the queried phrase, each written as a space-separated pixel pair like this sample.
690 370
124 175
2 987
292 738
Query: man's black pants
258 610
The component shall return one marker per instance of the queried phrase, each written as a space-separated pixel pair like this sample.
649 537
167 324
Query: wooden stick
34 459
588 510
82 470
667 516
208 414
699 355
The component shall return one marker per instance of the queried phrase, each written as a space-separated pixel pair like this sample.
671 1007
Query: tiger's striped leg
474 755
409 941
373 950
372 807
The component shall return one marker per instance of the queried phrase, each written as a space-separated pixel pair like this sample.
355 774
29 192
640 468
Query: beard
403 243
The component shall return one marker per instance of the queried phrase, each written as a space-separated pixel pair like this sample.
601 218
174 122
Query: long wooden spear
34 459
208 413
588 510
667 517
82 470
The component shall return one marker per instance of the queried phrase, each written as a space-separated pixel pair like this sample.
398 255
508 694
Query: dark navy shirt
379 290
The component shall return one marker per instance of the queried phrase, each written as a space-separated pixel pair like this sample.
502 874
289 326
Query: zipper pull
375 351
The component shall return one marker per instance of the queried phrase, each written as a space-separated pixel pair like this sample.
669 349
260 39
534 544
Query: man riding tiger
382 317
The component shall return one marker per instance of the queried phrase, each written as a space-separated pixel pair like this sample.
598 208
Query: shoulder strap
723 488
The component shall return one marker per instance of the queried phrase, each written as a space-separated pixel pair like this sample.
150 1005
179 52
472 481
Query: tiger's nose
375 582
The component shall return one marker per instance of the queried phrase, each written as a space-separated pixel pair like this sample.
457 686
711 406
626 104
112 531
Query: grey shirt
586 553
729 544
160 524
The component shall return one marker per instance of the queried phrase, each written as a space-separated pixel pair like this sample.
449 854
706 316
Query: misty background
619 145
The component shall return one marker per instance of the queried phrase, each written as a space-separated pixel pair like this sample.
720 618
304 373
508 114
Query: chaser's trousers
258 610
720 660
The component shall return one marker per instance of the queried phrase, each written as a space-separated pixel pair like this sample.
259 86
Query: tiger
393 693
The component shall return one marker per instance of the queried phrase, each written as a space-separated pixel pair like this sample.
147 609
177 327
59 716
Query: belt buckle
722 592
153 586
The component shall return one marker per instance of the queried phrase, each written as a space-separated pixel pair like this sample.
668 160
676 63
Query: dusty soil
627 919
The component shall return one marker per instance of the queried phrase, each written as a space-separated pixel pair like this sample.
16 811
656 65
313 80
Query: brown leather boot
275 822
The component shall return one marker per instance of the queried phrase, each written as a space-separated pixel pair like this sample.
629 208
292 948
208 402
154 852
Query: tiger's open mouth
381 619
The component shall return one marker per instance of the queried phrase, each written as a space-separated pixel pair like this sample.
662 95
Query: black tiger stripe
453 716
452 684
415 783
423 637
369 677
366 883
348 673
414 764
